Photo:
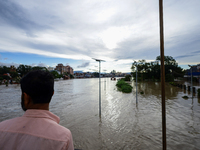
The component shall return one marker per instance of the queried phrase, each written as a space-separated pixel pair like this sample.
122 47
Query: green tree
6 77
143 69
96 74
71 76
168 60
66 73
14 74
56 74
171 67
1 79
23 69
39 68
152 70
4 69
155 71
127 78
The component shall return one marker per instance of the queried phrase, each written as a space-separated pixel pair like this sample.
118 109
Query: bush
14 74
6 77
18 80
173 83
123 86
56 74
169 78
127 78
1 79
71 76
185 97
120 83
198 92
126 88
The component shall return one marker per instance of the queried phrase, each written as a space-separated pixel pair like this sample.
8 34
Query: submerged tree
152 70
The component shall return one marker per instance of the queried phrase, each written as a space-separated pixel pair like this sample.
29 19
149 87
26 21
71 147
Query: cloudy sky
72 32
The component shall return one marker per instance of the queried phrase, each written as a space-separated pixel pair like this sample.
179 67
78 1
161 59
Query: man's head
37 90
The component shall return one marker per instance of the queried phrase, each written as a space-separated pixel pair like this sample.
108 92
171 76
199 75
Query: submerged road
123 125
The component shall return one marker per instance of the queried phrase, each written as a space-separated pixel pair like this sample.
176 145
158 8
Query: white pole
99 89
99 85
136 84
191 82
105 84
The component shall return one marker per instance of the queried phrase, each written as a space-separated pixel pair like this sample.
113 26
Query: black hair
39 85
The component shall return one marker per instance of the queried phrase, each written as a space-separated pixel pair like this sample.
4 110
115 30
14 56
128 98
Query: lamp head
98 59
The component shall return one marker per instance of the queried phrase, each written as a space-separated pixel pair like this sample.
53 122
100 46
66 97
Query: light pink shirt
35 130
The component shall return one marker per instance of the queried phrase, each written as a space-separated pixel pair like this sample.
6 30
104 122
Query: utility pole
162 75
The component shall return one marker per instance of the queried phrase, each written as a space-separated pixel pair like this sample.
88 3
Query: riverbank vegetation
15 74
124 86
185 97
173 83
151 70
198 92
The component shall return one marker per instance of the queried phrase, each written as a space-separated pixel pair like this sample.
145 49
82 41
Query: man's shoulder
59 131
9 122
62 128
41 127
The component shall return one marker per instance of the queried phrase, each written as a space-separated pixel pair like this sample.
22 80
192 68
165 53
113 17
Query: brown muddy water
123 125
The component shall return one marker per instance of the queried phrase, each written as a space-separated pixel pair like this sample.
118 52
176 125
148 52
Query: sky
72 32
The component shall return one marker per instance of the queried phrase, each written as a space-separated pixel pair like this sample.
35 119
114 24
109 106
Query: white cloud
105 29
8 64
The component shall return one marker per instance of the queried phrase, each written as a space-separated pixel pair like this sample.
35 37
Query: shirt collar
38 113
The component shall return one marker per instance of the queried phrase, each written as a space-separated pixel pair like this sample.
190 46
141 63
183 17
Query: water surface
123 125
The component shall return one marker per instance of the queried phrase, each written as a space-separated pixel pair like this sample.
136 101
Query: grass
173 83
185 97
123 86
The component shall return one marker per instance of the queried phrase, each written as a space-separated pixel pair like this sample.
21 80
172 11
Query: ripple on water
123 124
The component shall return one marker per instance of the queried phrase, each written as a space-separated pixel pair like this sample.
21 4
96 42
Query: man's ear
27 100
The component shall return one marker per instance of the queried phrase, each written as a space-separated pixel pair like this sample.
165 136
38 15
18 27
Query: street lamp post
99 85
136 82
191 79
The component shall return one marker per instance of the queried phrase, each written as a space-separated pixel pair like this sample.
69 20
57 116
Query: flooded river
123 125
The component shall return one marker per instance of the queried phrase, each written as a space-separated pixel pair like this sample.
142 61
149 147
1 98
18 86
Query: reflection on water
122 125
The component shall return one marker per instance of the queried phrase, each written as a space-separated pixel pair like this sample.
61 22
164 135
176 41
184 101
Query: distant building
50 68
88 75
198 67
113 72
195 72
69 69
62 69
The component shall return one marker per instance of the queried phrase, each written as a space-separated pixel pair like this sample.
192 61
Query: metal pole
105 84
99 60
191 82
136 84
99 89
162 75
